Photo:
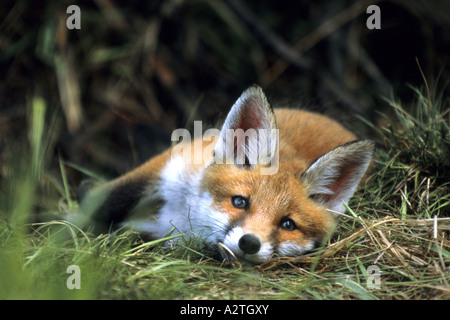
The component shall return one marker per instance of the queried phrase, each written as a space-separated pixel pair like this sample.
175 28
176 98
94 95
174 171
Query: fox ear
248 136
332 179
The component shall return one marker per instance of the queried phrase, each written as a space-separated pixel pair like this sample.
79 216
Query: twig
370 67
426 83
287 53
320 33
113 16
267 34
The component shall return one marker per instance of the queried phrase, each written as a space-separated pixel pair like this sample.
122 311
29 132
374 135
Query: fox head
287 212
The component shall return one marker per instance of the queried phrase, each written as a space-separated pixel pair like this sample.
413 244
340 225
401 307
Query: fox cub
269 183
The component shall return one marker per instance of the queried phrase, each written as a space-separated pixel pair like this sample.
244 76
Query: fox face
266 215
270 183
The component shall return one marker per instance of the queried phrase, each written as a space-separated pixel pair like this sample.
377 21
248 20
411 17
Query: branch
290 55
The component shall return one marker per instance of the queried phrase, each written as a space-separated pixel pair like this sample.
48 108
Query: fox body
250 213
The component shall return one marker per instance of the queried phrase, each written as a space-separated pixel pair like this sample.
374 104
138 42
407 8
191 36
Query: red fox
226 195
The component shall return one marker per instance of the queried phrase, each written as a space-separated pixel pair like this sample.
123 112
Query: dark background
136 70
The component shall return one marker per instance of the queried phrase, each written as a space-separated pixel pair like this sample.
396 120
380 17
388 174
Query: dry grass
413 264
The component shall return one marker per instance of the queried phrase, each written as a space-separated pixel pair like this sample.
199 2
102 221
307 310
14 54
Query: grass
398 221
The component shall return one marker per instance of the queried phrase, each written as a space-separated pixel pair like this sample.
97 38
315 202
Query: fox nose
249 244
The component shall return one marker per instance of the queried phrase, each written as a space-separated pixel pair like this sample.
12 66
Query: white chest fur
185 207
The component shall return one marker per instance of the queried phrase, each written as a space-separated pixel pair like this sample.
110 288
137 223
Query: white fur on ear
332 179
249 135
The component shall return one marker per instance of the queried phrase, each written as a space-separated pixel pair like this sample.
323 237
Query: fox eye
240 202
288 224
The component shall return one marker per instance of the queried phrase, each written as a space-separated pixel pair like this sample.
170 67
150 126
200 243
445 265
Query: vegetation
398 221
102 99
